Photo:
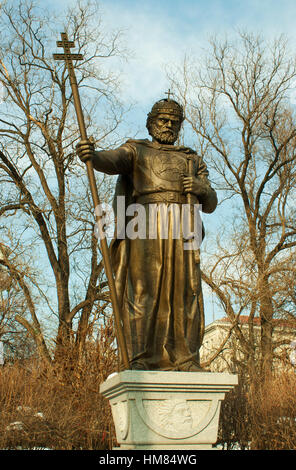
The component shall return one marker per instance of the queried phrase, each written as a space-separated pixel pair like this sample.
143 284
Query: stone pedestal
166 410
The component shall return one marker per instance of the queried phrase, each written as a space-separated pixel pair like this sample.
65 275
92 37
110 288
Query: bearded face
164 128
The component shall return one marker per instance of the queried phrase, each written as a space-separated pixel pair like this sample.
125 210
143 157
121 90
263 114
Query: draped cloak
158 282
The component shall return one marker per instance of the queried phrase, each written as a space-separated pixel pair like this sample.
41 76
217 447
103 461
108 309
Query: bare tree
44 196
16 301
237 105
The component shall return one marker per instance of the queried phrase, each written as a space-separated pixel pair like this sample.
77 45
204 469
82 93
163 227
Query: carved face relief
176 413
176 418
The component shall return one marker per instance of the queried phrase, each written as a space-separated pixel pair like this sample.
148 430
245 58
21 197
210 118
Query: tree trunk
266 315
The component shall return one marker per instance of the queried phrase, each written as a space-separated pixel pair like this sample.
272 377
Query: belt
165 196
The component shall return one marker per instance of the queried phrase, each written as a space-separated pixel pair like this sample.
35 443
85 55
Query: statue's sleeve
115 162
207 196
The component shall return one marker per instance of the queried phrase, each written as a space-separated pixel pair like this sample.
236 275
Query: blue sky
161 32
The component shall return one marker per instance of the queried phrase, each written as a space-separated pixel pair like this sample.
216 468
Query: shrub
57 406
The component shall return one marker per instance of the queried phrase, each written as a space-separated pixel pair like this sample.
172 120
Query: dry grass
57 407
261 416
60 406
273 413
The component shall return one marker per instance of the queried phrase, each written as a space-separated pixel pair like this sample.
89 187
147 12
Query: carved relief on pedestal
120 412
177 418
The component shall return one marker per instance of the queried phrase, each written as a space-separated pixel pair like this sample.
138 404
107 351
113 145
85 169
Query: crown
167 106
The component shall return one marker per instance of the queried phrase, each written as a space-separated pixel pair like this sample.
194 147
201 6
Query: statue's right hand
85 150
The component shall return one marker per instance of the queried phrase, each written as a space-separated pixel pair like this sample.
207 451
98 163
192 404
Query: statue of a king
158 281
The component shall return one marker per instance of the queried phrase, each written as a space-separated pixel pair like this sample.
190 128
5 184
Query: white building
221 343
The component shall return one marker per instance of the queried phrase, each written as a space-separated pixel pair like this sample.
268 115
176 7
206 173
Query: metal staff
191 199
68 57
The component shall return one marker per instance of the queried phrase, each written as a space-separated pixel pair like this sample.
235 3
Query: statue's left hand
193 185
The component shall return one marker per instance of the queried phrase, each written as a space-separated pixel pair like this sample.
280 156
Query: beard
163 137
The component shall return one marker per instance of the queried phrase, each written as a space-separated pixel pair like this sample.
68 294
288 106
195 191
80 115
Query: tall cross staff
68 57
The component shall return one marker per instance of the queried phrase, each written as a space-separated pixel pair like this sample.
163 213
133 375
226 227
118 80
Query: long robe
158 282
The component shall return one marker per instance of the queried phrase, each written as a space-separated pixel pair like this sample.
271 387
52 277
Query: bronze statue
158 282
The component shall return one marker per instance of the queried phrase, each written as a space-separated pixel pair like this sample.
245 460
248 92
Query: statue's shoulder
145 142
187 150
155 145
135 145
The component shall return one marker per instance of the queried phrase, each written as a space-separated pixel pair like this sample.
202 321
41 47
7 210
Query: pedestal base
166 410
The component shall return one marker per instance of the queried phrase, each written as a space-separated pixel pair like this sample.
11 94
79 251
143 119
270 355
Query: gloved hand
194 185
85 150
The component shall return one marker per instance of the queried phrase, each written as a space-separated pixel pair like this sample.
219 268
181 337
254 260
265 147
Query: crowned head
164 121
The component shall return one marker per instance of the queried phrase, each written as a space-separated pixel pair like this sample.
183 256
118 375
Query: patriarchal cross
68 58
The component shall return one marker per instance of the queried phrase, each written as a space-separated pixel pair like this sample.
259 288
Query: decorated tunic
158 282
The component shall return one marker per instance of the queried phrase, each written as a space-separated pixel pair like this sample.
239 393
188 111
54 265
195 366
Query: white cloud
154 43
161 33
